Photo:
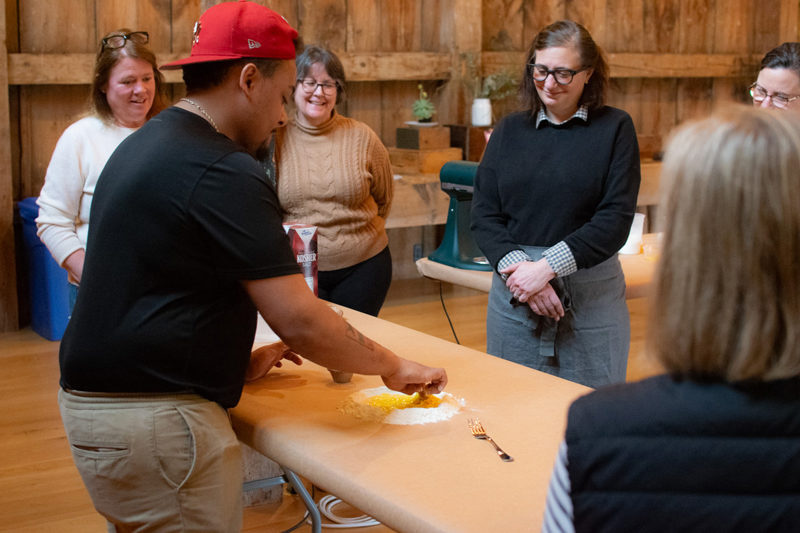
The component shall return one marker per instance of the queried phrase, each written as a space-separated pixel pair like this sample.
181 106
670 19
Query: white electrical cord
326 505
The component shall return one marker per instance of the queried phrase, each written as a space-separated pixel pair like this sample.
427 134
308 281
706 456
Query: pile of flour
356 405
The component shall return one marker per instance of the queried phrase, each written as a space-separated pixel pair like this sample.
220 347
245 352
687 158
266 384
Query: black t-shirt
181 214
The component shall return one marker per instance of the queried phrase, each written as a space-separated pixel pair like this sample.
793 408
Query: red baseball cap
232 30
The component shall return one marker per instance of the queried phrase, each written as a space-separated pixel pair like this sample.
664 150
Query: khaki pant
167 462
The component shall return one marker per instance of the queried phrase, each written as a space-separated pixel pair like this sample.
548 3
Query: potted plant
423 109
494 87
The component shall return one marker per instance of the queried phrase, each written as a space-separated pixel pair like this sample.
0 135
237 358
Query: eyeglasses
309 86
118 41
563 76
759 94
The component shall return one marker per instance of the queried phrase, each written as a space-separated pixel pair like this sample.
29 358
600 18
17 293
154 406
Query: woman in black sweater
554 199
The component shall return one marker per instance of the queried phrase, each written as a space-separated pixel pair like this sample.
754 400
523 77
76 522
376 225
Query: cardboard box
408 161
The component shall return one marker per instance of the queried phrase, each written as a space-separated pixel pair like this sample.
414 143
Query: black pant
362 287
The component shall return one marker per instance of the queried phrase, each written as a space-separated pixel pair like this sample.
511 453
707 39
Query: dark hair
202 76
333 66
567 33
107 58
787 55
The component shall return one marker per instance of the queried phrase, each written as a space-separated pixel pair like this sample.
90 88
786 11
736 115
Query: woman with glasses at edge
126 90
333 172
554 199
778 83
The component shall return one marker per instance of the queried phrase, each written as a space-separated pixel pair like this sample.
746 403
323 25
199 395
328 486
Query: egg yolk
389 402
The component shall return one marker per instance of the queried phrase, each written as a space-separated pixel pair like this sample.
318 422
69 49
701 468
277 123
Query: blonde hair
727 291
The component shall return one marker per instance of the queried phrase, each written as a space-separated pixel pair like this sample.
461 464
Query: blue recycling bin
49 288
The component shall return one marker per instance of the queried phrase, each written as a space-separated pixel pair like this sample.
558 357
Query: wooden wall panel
400 25
590 13
789 21
323 22
396 100
537 15
660 26
362 19
363 102
152 17
764 24
287 8
58 27
625 27
503 25
731 26
436 25
9 316
696 27
45 112
693 99
184 14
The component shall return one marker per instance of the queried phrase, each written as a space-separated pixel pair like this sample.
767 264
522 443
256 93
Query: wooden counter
421 478
418 201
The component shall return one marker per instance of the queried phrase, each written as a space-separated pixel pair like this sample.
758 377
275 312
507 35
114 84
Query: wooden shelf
75 69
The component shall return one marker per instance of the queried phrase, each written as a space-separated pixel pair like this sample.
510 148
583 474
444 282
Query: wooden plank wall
683 37
671 60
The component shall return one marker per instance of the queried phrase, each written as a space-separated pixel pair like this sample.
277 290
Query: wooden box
423 138
408 161
471 139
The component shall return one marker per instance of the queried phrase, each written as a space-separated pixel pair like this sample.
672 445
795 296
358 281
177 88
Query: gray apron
589 345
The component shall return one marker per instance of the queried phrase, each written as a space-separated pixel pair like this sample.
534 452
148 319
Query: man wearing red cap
186 242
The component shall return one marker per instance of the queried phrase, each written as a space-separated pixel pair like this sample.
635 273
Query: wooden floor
40 490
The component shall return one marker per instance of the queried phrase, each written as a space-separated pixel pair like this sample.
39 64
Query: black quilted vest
668 455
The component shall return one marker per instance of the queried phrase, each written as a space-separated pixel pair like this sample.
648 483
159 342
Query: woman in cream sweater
333 172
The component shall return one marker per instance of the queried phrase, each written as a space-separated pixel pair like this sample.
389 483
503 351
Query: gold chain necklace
202 111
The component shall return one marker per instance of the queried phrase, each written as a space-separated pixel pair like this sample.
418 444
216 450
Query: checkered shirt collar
582 113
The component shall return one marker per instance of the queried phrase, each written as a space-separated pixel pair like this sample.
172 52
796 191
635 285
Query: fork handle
503 455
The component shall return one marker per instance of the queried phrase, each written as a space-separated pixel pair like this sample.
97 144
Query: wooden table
421 478
638 271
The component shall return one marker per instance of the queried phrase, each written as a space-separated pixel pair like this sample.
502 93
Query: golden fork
479 433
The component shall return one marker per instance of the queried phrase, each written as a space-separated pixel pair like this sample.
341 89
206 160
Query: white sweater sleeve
65 199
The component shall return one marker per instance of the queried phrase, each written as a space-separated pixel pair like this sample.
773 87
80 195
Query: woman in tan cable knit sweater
333 172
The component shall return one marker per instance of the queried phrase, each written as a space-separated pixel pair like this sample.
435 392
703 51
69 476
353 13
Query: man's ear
248 77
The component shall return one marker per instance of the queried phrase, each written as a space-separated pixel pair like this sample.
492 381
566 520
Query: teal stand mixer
458 248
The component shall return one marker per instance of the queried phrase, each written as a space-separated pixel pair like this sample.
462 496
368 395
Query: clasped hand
528 283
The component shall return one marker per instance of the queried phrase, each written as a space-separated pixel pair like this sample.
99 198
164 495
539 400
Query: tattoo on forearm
357 336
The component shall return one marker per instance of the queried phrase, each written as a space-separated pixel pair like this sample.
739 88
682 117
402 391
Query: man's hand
411 377
262 359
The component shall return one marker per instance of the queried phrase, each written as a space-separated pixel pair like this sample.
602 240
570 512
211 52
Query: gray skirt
589 345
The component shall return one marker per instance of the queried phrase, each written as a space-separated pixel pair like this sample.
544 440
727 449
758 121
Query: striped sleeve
558 510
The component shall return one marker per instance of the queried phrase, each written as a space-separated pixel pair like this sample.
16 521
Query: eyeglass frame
125 38
552 72
789 99
334 87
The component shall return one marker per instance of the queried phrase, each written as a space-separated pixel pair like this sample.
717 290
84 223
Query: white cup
634 243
